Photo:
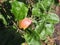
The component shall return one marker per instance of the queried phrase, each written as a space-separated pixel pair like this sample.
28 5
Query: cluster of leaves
42 19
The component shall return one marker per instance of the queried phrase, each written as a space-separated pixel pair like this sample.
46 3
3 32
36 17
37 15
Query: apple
25 23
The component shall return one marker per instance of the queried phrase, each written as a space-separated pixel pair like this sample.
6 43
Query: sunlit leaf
36 12
19 10
31 40
43 35
49 29
52 18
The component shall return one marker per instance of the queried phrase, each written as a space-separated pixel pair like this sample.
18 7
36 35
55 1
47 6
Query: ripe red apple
23 24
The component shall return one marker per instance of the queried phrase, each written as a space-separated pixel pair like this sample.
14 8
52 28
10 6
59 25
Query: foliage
43 20
17 10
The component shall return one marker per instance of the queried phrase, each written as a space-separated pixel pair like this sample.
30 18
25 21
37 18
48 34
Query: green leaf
34 42
49 29
19 10
43 35
46 3
36 12
52 18
31 40
40 26
4 21
27 37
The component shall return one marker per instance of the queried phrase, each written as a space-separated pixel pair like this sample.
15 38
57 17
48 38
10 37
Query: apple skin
25 23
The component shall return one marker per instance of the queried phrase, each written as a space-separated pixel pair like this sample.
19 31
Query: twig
18 30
